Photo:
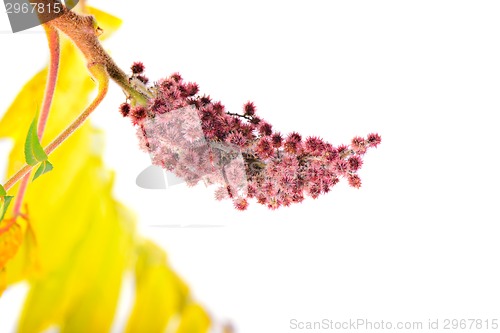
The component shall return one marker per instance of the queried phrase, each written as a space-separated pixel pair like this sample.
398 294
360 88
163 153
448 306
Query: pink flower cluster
197 139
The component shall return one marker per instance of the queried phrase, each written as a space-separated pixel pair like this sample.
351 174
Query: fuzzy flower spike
198 140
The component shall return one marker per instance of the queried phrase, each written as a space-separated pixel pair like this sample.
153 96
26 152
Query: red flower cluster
197 139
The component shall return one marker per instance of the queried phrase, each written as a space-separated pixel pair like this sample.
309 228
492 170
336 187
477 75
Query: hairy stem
101 76
54 47
20 194
55 53
18 176
83 31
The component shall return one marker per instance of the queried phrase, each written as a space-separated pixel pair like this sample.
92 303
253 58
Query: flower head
138 113
354 181
137 67
124 109
265 128
277 140
240 203
196 138
314 145
355 163
358 144
249 109
374 139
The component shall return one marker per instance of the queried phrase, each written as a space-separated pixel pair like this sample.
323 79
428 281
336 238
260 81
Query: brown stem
83 31
239 115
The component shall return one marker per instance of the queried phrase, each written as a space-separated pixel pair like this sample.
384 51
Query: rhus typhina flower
199 140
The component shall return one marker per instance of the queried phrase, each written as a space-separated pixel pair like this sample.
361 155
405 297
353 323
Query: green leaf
33 150
4 205
45 167
2 191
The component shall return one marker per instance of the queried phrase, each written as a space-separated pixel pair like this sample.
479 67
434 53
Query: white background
419 240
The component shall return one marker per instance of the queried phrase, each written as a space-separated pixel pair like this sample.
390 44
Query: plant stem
101 76
55 53
239 115
20 195
82 30
20 174
54 47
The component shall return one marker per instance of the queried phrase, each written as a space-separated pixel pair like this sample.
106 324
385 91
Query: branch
83 31
54 47
55 53
101 76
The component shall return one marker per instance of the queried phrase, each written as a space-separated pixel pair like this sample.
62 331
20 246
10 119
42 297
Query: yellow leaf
194 320
160 293
79 241
3 281
11 237
84 237
92 313
73 89
81 291
32 262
